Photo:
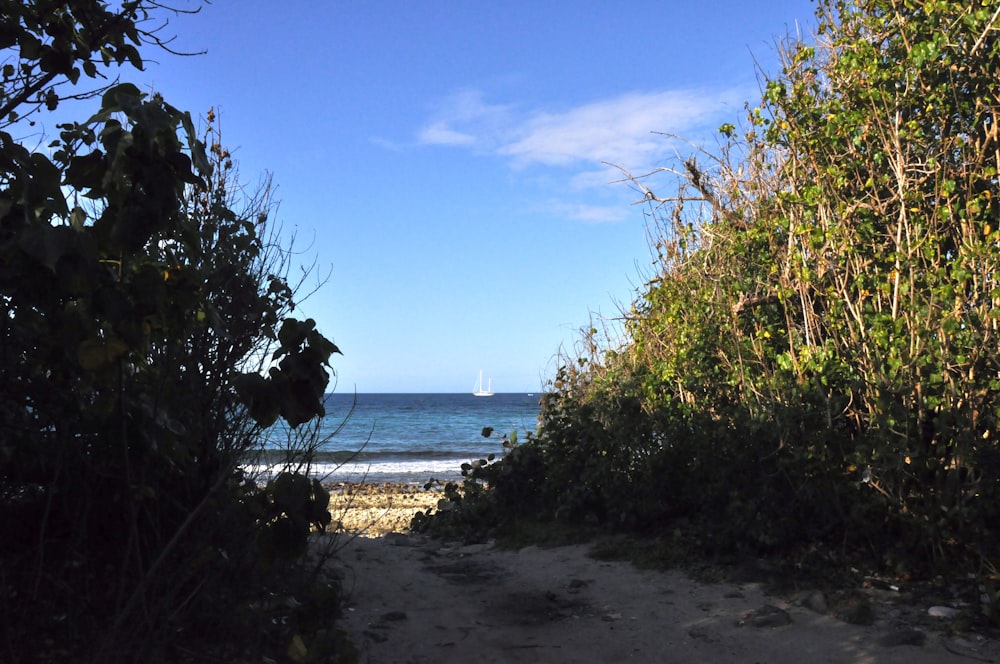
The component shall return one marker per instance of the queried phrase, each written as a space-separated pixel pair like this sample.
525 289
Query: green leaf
132 53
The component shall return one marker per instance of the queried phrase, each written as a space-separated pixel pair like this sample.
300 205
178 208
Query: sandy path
414 600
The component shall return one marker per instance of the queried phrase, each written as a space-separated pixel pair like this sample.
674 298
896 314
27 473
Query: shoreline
390 472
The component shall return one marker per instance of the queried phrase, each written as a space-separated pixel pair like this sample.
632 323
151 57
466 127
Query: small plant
492 494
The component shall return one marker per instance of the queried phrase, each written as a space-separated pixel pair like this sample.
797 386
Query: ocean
412 438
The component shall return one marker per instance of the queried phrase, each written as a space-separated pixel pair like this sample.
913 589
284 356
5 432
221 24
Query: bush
814 363
493 495
143 297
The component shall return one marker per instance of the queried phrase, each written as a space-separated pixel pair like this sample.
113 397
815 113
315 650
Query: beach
373 510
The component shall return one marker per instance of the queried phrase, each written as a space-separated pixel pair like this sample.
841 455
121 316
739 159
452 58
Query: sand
411 599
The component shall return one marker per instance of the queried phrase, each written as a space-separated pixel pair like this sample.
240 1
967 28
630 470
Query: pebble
942 612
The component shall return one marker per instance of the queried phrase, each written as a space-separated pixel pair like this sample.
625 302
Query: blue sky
442 161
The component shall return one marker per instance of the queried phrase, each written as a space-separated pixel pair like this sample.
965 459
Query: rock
906 636
945 612
768 616
815 601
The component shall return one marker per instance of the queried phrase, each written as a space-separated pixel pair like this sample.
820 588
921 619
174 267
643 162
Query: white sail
479 391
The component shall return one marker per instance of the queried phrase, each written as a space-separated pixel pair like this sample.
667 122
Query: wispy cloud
579 142
439 133
621 130
618 130
465 120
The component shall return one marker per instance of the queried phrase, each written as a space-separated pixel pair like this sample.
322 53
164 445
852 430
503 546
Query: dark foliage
142 297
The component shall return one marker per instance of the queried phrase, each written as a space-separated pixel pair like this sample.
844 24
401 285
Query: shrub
814 362
142 298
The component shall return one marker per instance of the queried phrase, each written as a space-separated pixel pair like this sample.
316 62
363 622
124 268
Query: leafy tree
145 342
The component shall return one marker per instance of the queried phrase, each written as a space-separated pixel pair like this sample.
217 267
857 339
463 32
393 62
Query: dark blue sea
413 438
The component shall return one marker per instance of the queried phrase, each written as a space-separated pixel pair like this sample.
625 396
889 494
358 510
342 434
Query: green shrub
813 364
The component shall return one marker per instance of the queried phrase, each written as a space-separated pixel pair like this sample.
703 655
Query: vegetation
143 297
813 369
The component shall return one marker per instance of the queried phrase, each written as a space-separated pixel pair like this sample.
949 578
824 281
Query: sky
444 164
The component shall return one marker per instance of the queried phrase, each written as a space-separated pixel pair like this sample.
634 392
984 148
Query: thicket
813 366
146 340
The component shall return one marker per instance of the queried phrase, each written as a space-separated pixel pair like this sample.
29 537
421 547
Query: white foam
383 471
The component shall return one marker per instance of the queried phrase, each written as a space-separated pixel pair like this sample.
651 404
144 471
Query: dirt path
412 600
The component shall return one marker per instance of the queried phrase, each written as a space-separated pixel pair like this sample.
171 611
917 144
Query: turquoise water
415 437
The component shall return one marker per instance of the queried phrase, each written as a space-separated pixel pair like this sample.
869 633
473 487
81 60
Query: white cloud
626 131
465 120
610 130
620 130
438 133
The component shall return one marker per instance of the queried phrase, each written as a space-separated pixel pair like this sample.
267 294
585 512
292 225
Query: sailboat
480 392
